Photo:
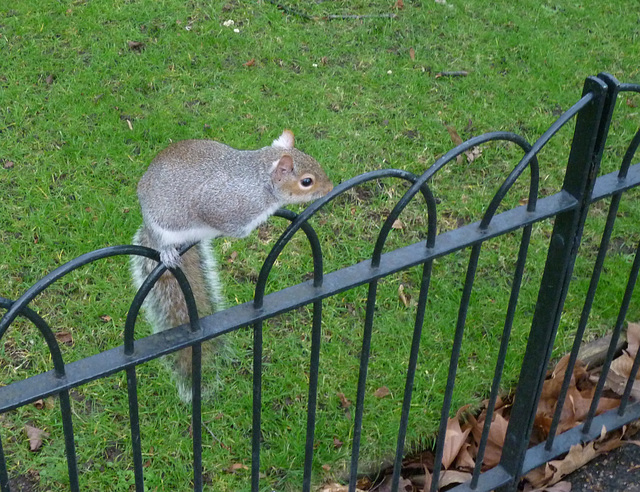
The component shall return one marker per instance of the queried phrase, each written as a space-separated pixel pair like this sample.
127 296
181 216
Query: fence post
582 168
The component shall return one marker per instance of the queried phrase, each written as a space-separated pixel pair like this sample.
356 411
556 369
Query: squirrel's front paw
170 257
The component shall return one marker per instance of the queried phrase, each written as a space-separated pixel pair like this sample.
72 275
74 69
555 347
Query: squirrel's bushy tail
165 307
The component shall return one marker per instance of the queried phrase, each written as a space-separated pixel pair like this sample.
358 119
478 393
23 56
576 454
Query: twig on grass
348 16
222 445
289 10
460 73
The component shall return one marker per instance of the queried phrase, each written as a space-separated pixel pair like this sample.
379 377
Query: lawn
90 91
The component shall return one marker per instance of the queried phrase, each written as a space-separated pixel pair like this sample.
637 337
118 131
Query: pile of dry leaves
464 431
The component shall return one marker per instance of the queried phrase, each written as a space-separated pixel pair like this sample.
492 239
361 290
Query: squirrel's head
297 176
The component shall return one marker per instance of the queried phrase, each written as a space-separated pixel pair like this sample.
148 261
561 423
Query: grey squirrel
196 190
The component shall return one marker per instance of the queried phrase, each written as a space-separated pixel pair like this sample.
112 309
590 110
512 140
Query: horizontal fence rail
591 115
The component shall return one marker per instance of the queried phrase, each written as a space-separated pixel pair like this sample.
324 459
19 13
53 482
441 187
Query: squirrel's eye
306 182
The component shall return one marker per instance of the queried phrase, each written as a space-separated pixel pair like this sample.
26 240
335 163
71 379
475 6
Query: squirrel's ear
284 141
283 167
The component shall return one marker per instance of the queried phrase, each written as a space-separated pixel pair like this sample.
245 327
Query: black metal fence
569 208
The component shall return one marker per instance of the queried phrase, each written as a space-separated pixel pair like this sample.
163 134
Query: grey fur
155 308
210 187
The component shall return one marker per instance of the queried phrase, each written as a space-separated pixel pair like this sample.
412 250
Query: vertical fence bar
584 160
70 447
502 352
134 419
362 383
584 318
607 114
411 372
257 407
196 414
4 476
622 314
453 363
313 394
132 385
634 368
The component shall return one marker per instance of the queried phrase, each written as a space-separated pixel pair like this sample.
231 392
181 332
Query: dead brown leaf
382 392
336 487
8 164
538 477
453 441
552 386
561 367
606 404
541 427
579 455
609 442
559 487
577 407
633 338
576 404
403 297
617 384
35 437
136 46
64 337
412 54
455 138
495 440
397 224
399 4
464 461
237 466
250 63
404 485
497 433
473 153
546 405
344 403
450 477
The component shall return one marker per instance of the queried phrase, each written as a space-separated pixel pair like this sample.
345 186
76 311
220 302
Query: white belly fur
193 235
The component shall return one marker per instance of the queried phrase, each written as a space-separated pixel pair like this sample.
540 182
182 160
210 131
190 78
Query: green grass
357 101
